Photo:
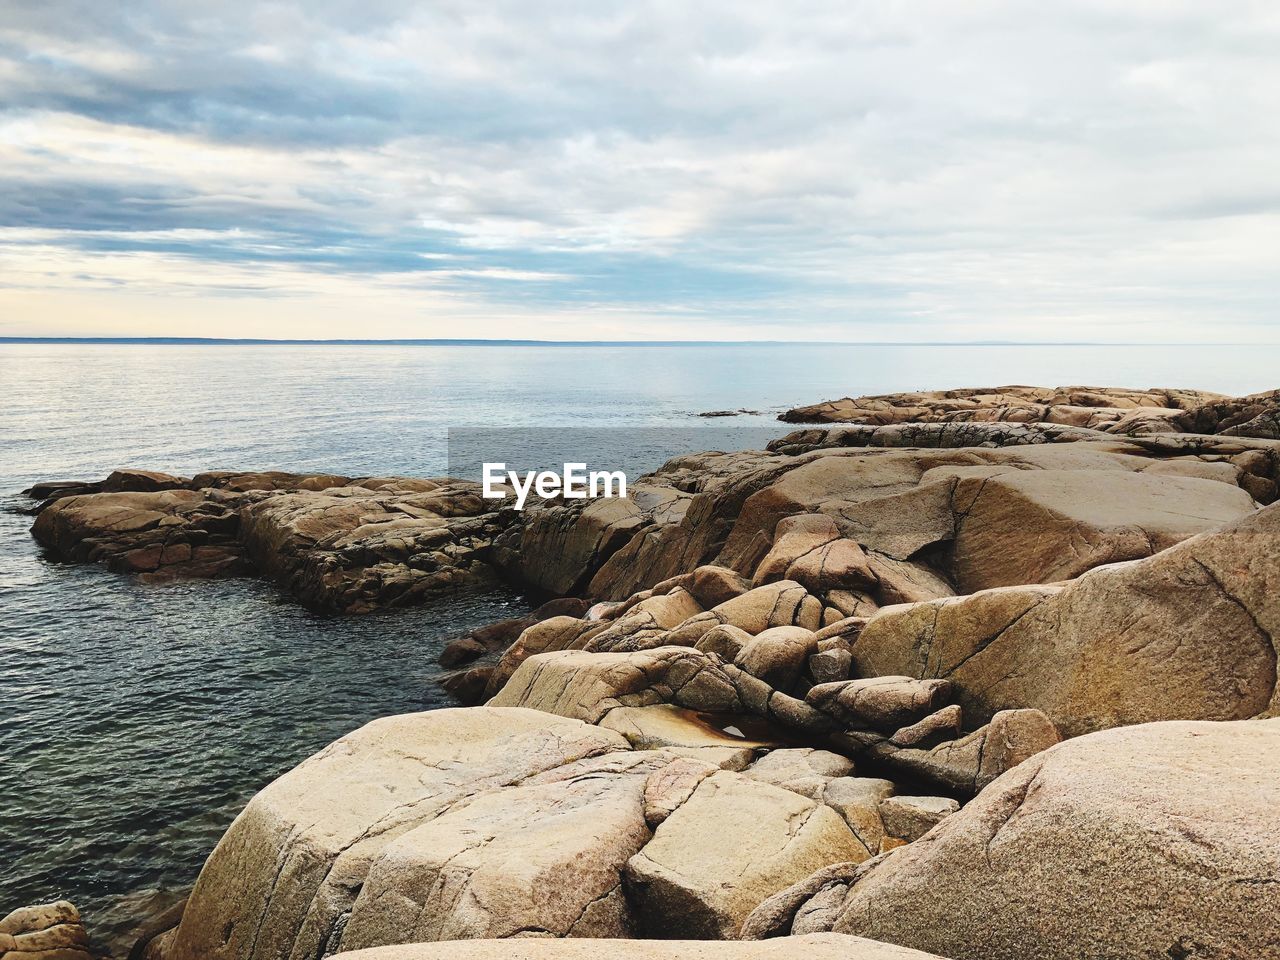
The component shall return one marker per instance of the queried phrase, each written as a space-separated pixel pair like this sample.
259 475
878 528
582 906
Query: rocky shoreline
981 673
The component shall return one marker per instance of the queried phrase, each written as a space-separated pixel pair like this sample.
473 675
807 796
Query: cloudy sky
929 170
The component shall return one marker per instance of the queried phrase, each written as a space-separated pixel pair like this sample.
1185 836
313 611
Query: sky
859 171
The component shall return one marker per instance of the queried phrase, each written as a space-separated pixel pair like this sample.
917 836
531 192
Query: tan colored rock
838 565
586 686
50 931
712 586
1040 526
857 800
910 818
287 872
671 785
486 869
967 764
884 703
1153 839
780 604
794 537
702 875
554 633
802 770
725 641
778 656
823 946
686 732
941 725
1187 633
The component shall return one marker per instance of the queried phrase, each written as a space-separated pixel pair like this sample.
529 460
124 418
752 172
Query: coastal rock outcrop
815 947
49 931
1189 633
1098 408
335 543
1156 839
494 823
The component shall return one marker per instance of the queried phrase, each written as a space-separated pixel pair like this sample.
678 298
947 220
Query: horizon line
502 342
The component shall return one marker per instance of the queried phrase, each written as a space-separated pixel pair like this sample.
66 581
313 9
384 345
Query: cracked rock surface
1151 840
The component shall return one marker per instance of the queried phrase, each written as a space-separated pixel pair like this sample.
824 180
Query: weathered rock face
1096 408
828 946
1046 525
1154 840
50 931
494 823
163 534
1186 634
702 873
288 876
334 543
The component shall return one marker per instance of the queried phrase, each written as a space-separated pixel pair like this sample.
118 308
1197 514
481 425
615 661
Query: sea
137 719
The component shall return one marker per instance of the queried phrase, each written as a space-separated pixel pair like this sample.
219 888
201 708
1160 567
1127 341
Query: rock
164 534
497 637
554 633
1156 839
966 765
335 543
813 947
725 641
480 871
805 909
793 538
781 604
286 877
685 732
671 785
883 703
1040 526
586 686
1091 407
801 770
941 725
50 931
910 818
701 875
857 800
712 586
778 656
1185 634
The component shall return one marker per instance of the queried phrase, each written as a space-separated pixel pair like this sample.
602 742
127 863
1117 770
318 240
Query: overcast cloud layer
853 171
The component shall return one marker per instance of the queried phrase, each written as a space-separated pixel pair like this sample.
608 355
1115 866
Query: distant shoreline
459 342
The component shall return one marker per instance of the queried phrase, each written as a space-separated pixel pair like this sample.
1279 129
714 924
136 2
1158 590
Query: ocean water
135 720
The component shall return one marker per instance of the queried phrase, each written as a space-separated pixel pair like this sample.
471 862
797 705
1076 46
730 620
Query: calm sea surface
136 720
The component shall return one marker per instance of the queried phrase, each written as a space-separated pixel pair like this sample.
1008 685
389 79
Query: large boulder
1186 634
496 823
820 946
286 877
1146 841
1039 526
493 867
48 931
733 843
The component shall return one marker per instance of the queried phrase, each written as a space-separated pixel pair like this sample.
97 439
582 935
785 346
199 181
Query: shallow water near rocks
136 720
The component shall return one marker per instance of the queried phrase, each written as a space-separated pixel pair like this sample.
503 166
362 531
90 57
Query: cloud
827 170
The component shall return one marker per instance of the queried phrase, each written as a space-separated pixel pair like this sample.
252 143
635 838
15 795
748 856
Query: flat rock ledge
335 543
